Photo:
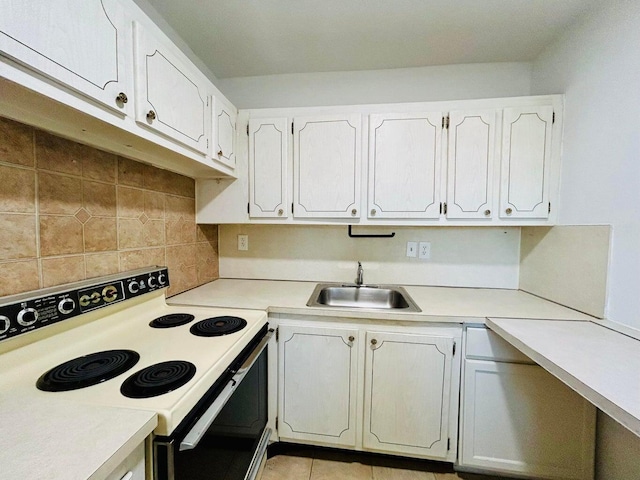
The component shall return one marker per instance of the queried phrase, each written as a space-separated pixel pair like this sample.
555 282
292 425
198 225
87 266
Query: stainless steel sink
376 297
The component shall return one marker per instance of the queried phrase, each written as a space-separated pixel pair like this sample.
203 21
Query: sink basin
377 297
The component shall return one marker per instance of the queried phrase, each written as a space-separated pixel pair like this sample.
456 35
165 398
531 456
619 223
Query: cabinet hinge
248 207
247 130
276 423
207 143
440 208
454 349
553 117
277 337
444 208
549 207
445 122
448 444
291 128
291 208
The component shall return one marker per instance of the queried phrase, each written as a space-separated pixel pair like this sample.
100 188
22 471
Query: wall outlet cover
424 250
243 242
412 249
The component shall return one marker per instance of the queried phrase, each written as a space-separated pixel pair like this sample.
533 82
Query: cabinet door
224 122
526 162
407 394
470 163
268 147
520 419
326 166
79 43
404 165
171 96
317 384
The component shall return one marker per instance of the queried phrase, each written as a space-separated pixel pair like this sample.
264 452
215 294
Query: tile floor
306 463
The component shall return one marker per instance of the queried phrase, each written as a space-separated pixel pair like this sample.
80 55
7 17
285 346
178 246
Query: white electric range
185 369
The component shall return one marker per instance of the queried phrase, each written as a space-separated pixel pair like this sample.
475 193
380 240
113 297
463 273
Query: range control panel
54 305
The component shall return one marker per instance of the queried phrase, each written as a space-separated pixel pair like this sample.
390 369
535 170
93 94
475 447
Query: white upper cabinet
407 394
78 43
470 166
268 148
171 95
526 162
404 165
327 164
224 129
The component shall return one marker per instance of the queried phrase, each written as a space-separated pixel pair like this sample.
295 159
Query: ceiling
238 38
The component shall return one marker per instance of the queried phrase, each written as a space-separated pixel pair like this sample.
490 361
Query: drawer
483 344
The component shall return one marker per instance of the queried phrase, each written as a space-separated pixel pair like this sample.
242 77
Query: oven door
230 438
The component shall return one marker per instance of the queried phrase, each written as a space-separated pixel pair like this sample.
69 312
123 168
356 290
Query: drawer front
483 344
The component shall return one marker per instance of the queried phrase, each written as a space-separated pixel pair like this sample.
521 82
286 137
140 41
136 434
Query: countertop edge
625 418
126 449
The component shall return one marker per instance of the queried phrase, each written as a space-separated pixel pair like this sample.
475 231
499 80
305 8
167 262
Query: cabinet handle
373 212
354 211
122 97
352 338
151 115
220 154
127 476
280 212
487 213
509 211
374 341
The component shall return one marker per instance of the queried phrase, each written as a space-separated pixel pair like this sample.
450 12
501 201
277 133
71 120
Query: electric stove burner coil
158 379
171 320
88 370
217 326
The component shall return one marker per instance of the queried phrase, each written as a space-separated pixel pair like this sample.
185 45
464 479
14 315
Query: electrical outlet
424 250
412 249
243 242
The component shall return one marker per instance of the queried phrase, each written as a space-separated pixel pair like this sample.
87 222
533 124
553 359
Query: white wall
461 257
597 65
450 82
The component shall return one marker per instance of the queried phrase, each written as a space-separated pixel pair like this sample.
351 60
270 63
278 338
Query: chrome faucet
359 275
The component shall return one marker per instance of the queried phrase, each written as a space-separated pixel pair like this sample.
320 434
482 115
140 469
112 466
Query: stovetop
126 327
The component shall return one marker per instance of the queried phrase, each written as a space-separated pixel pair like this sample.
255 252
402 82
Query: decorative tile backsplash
70 212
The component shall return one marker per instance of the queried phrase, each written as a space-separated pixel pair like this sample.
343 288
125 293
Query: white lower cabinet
518 419
132 468
407 393
318 368
404 386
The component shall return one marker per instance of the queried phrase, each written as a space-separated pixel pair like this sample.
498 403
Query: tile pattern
70 212
293 462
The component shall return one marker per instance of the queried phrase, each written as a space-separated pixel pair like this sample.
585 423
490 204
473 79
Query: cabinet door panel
407 393
470 165
268 147
225 124
79 43
326 163
171 97
526 158
545 429
404 165
317 385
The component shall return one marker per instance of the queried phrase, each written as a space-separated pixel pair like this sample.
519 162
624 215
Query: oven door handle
191 439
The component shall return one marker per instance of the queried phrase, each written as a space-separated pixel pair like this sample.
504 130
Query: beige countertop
601 364
441 304
53 439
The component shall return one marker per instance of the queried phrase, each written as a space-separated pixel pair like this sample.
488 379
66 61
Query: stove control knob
133 287
5 323
162 279
66 305
152 282
27 316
